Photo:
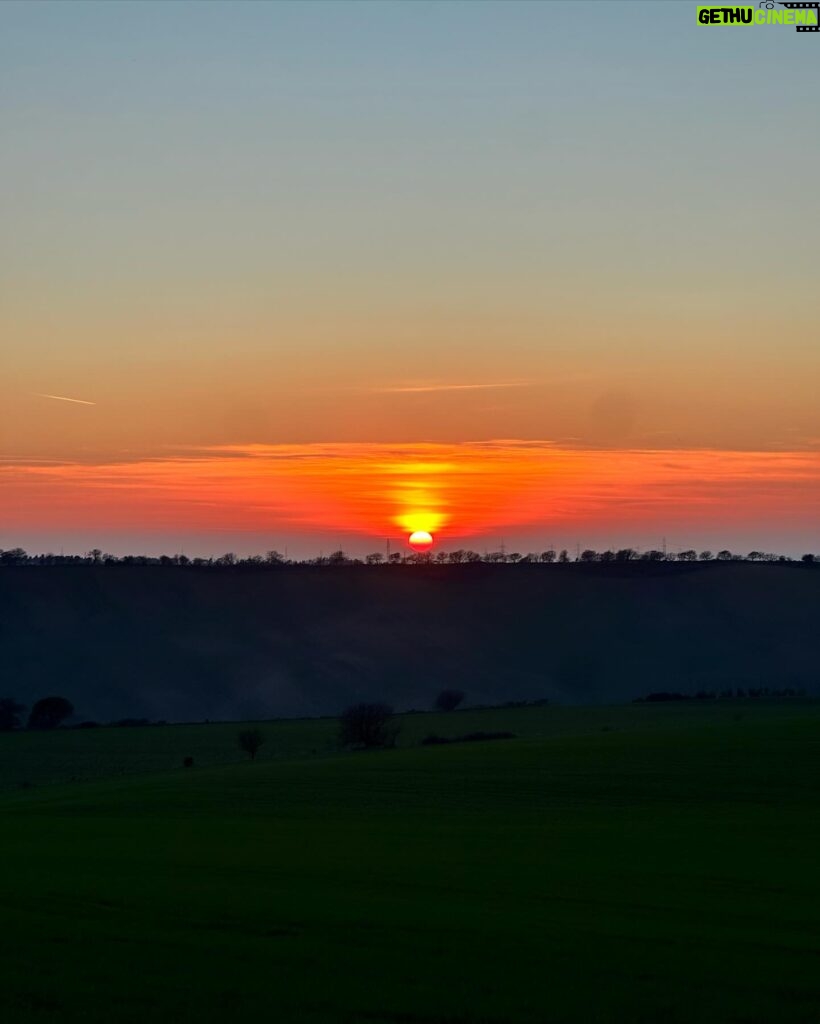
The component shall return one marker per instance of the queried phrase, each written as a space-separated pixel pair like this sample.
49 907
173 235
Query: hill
186 644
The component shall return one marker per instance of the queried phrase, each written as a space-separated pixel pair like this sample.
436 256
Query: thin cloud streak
62 398
413 389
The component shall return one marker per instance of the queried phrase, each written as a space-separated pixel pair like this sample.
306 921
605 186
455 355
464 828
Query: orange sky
357 495
297 264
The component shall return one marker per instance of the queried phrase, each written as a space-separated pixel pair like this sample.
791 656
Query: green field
644 863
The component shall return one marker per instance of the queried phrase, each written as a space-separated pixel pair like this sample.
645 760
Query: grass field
647 863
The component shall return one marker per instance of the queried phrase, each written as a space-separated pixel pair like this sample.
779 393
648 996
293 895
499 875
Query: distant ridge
178 644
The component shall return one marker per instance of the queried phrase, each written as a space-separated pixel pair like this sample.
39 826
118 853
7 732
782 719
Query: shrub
479 737
470 737
367 725
449 700
188 762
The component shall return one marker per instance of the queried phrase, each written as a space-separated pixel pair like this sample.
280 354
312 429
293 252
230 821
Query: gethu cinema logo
804 16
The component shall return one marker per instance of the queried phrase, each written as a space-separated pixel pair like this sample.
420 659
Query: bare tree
367 725
250 740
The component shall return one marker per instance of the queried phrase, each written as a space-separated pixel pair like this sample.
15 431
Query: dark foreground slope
191 644
634 875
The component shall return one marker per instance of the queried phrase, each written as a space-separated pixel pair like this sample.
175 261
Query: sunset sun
421 540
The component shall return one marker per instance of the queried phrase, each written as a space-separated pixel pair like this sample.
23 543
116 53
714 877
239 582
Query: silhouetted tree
375 559
588 555
250 740
705 556
808 559
14 556
625 555
50 712
10 712
724 556
449 700
687 556
564 556
367 725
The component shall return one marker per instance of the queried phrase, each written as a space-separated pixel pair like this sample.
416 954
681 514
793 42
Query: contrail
415 389
62 398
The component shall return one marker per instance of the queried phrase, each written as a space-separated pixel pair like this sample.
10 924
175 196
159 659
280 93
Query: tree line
461 556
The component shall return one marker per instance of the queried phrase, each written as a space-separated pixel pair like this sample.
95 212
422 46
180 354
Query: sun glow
472 489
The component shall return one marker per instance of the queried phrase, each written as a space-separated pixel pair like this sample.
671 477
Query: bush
367 725
250 740
449 700
434 741
661 696
188 762
470 737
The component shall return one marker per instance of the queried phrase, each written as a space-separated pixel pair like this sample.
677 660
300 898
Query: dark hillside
181 644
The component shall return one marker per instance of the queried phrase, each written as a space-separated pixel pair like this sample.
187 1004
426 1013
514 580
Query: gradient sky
564 251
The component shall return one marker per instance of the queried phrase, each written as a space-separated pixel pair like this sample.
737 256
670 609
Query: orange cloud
461 490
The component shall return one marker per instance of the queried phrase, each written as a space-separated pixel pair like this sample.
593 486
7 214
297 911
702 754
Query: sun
421 540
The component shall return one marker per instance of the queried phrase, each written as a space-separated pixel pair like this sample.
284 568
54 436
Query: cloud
414 389
467 489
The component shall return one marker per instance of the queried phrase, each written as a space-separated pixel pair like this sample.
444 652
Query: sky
316 274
